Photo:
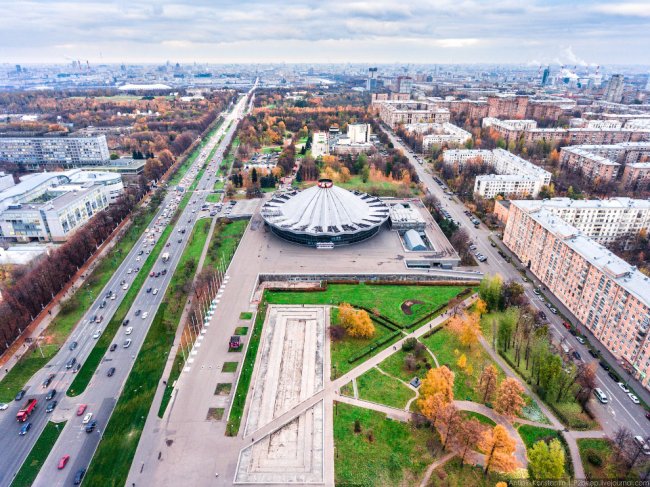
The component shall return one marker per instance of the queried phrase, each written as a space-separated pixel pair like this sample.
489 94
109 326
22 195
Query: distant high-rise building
614 91
371 81
18 68
647 84
404 84
545 76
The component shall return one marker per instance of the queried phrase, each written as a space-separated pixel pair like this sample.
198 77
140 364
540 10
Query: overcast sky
376 31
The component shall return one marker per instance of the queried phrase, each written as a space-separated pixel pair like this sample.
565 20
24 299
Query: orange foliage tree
509 398
499 449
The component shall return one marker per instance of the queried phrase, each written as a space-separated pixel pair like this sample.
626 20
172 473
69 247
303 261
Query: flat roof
620 202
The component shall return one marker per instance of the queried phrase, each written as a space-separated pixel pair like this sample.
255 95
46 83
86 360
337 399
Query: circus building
325 215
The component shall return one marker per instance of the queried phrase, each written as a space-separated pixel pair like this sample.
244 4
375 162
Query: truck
26 410
165 256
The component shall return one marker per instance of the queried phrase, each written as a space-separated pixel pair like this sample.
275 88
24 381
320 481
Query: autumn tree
546 461
438 380
449 423
490 291
356 322
467 436
467 327
499 449
488 382
509 400
432 406
480 306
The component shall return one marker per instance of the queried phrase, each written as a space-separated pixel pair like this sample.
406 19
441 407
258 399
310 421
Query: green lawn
396 453
451 474
245 315
377 387
347 390
394 365
387 299
269 150
229 367
213 198
112 460
482 418
239 401
447 349
71 312
342 350
599 451
38 454
241 330
532 434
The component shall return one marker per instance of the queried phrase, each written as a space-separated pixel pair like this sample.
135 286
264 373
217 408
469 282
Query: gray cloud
585 32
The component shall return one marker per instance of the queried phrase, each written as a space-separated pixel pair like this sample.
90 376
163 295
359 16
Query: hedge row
373 346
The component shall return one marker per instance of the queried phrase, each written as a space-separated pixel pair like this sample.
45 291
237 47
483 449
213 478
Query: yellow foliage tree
344 175
432 406
439 380
462 361
471 330
499 449
481 307
356 322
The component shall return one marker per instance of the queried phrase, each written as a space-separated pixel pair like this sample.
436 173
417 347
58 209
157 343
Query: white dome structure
325 214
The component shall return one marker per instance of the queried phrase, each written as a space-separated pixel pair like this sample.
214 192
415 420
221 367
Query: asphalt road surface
620 411
101 393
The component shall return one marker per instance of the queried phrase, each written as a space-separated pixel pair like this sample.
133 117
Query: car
129 330
168 244
623 388
549 305
537 291
472 247
145 314
113 347
180 240
113 297
63 462
141 252
644 446
138 258
553 310
542 315
81 409
493 244
573 332
647 415
541 298
137 312
50 407
97 334
90 427
155 291
566 325
50 394
602 397
76 368
157 274
3 406
580 340
127 343
70 363
87 418
126 322
163 272
137 269
73 345
48 380
633 398
110 372
604 366
125 287
102 305
130 271
593 354
525 279
149 290
576 355
152 273
25 428
613 376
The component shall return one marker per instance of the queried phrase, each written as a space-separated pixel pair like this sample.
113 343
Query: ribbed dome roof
325 209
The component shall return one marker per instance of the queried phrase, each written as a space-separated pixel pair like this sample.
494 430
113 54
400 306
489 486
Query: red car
81 409
566 325
63 462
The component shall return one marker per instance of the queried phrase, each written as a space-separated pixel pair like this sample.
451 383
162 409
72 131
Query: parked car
623 387
602 397
593 354
604 366
4 406
580 340
576 355
633 398
613 376
553 310
113 347
644 446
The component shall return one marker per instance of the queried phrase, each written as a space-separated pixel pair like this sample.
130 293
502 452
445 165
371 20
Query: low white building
52 206
439 134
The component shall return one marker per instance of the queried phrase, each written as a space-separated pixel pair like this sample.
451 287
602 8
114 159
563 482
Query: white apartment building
513 125
397 112
359 133
510 185
604 221
51 206
445 134
460 157
319 144
48 152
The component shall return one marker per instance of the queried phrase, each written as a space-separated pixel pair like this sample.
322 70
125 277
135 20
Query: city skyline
541 32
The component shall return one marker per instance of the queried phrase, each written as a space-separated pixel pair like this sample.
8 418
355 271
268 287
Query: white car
129 330
97 334
125 287
634 399
87 418
145 314
138 258
3 406
623 387
155 291
129 271
113 296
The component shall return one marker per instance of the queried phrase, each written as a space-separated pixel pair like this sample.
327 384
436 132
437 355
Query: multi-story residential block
636 176
604 221
614 91
319 144
514 175
46 152
591 164
50 206
395 113
507 106
607 295
439 134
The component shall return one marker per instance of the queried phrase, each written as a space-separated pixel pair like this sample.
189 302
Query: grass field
213 198
241 330
229 366
447 349
481 418
394 365
37 456
532 434
379 188
245 315
61 327
377 387
602 449
395 453
387 299
451 474
112 460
